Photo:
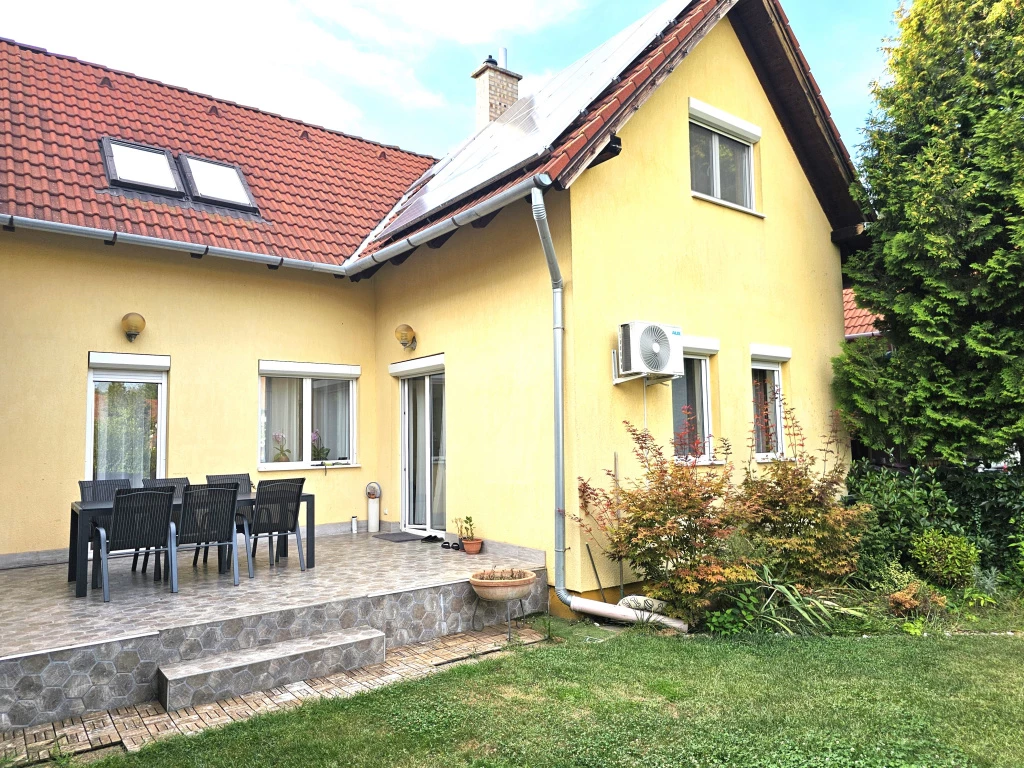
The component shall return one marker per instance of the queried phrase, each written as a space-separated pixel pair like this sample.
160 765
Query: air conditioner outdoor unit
650 349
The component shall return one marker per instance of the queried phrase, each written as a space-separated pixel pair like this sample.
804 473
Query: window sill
701 462
769 458
727 204
287 466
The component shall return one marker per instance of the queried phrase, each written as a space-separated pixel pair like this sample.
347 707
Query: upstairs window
720 166
141 167
722 156
218 183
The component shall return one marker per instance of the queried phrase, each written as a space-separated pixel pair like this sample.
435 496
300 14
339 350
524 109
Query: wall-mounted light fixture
406 336
133 324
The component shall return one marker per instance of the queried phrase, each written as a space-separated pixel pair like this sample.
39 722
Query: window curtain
125 430
331 417
282 419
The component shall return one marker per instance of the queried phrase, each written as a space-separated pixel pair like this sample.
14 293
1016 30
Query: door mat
400 536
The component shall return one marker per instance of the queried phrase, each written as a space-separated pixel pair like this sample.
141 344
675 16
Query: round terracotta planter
472 546
500 591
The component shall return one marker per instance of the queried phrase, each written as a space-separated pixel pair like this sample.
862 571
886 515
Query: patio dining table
83 513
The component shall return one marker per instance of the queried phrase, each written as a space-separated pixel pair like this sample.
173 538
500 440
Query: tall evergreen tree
944 169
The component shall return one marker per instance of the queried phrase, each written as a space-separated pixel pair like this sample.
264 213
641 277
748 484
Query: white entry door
423 454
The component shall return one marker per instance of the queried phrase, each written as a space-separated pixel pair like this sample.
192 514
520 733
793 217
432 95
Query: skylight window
218 183
141 167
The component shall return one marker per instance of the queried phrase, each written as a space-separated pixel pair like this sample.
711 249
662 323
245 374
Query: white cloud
322 61
411 24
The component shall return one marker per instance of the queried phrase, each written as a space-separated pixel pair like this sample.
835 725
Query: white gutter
865 335
579 604
113 237
478 211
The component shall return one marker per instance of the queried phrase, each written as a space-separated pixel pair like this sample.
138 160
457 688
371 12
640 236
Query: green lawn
644 700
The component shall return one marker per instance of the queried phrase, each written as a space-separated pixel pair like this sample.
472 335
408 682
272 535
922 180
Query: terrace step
225 675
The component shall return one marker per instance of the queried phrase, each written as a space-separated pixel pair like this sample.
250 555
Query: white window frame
721 123
279 369
776 366
708 456
120 372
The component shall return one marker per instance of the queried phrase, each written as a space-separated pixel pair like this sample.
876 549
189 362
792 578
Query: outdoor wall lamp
133 324
406 336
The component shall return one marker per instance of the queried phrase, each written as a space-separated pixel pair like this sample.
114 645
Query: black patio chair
245 486
100 490
140 519
179 484
275 512
208 518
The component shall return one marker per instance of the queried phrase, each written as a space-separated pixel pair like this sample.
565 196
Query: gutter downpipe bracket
575 603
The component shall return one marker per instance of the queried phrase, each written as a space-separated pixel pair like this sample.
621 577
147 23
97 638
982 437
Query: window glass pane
143 166
125 430
734 167
331 414
766 411
437 453
701 167
281 419
416 415
689 410
218 181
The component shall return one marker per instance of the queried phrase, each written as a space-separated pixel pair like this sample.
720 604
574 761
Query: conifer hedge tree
943 167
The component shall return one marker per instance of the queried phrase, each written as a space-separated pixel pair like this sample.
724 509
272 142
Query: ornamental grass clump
667 525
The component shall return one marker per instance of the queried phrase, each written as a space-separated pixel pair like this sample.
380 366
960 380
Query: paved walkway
133 727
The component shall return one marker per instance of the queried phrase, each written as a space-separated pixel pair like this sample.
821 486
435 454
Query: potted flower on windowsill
320 453
502 584
281 451
467 536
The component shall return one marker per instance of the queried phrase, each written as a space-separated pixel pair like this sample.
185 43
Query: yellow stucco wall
61 297
645 249
484 301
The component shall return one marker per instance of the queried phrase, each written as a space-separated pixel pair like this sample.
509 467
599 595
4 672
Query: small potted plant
281 451
467 536
502 584
320 453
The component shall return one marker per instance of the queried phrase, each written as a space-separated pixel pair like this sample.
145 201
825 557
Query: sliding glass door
423 454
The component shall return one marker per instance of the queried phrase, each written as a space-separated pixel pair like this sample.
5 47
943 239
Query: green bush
945 558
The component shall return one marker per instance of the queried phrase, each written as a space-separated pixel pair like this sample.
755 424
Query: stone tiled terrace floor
40 611
133 727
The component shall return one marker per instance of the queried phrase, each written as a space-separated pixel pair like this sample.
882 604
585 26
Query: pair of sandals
451 545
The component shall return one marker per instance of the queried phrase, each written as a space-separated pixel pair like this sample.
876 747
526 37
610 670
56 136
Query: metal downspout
540 216
615 612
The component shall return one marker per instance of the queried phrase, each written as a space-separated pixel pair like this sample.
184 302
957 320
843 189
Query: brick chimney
497 89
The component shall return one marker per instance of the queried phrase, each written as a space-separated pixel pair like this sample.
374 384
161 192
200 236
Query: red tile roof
859 322
582 141
320 192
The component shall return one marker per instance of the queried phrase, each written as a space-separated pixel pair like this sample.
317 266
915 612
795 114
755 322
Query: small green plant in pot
467 535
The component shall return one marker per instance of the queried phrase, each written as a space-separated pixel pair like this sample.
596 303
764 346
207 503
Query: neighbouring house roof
859 322
585 105
319 192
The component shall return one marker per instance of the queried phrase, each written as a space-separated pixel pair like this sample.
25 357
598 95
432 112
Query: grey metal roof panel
529 127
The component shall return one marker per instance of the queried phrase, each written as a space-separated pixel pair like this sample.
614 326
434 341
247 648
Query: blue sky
398 71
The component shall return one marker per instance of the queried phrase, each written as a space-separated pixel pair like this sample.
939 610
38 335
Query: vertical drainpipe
540 216
578 604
